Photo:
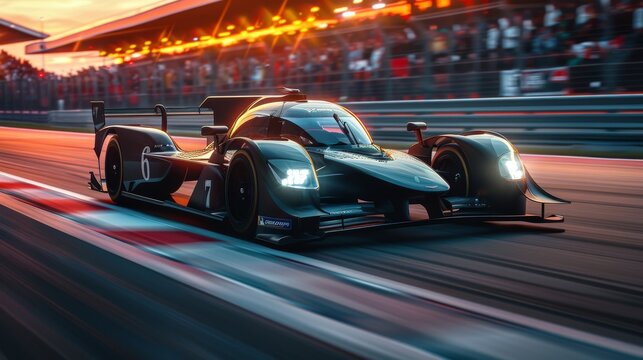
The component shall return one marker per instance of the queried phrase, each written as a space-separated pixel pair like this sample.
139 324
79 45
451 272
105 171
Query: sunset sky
61 16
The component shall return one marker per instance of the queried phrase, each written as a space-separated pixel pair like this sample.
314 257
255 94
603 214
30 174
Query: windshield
328 124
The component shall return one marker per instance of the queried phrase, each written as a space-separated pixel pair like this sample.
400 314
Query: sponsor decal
275 223
545 81
163 146
345 212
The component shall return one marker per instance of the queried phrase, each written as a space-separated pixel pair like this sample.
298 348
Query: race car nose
399 170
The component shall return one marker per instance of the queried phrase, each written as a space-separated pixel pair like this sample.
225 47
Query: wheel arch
161 178
482 149
479 156
276 200
130 132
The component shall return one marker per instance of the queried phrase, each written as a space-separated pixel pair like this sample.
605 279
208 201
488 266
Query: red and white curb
105 218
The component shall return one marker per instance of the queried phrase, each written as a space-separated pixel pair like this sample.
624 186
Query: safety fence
602 120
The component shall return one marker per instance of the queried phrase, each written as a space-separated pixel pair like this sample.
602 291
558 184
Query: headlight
295 174
296 177
511 167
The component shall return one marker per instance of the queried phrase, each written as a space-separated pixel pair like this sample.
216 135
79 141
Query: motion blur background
344 50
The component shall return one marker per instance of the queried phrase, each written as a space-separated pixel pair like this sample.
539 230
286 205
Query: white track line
48 187
378 282
580 157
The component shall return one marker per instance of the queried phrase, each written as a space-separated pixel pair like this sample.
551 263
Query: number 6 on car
284 169
145 164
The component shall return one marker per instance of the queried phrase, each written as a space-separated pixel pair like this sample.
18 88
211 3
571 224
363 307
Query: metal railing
588 125
599 120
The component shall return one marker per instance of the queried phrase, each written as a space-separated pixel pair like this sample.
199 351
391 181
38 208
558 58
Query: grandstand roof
173 16
179 19
13 33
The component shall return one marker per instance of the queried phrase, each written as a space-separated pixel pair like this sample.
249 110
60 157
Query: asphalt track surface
492 290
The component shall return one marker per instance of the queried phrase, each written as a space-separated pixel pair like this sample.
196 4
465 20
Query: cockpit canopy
310 123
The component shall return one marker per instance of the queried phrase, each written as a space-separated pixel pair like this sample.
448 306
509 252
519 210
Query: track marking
349 338
581 160
582 157
48 187
74 229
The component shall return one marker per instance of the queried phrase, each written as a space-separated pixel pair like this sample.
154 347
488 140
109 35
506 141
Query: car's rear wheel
450 163
114 170
242 194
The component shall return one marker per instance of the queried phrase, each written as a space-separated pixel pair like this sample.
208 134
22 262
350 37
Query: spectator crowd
12 68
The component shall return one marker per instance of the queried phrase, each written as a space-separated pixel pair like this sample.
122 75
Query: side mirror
214 130
417 127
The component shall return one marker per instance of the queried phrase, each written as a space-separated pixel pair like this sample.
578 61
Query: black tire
450 163
241 194
114 170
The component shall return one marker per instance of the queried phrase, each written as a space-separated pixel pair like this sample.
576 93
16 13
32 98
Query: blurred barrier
34 117
588 121
596 124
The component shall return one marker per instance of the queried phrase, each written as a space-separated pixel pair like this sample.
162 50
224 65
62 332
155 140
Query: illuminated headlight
511 167
293 174
297 177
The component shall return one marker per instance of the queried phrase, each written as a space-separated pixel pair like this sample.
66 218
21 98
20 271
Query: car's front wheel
242 194
450 163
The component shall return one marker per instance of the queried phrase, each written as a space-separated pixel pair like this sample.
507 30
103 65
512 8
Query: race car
286 169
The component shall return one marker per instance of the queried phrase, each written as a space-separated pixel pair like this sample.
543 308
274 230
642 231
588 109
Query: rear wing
100 114
224 109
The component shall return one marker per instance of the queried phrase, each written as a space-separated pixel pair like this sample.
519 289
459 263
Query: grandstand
11 32
349 50
14 71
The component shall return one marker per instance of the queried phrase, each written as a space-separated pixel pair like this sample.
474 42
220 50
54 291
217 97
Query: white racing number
145 164
208 189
